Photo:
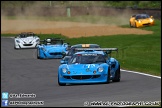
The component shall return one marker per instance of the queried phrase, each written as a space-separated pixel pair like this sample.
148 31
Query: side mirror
63 62
63 54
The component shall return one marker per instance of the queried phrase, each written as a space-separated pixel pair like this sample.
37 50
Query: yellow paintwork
141 22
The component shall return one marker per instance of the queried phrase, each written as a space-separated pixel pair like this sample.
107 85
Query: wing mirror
63 54
63 62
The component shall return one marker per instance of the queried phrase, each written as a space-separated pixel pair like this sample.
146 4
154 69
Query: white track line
140 73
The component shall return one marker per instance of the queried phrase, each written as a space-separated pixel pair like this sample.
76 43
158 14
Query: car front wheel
38 54
16 48
135 25
130 24
117 75
108 76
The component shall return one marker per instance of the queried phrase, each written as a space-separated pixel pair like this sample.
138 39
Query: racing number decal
90 65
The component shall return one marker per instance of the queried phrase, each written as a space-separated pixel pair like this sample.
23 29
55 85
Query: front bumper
20 45
95 78
145 24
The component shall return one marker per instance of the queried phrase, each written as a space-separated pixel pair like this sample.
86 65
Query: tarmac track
22 72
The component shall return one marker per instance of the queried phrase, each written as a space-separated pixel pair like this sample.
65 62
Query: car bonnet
77 68
54 48
27 39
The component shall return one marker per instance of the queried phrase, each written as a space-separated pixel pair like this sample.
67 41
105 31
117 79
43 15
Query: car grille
146 24
56 53
27 44
82 77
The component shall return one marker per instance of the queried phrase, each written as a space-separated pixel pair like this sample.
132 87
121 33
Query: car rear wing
106 50
96 49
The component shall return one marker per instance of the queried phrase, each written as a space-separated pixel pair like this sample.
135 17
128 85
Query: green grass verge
135 52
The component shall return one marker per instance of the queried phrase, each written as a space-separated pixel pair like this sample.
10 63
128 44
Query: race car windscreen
143 16
54 42
87 59
24 35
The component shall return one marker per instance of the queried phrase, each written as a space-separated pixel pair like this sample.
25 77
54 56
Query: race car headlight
64 70
100 69
139 21
37 40
151 20
17 41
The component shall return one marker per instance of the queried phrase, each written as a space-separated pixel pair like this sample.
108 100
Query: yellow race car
141 20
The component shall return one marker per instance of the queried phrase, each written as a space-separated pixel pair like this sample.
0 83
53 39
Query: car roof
84 45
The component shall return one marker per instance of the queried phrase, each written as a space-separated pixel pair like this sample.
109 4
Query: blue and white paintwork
26 40
103 69
49 50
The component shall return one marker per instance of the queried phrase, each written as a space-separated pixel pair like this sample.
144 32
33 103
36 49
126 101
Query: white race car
26 40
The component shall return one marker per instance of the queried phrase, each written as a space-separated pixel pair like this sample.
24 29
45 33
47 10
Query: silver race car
26 40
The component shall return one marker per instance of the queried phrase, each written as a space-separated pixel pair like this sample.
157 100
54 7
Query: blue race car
52 48
71 50
91 65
